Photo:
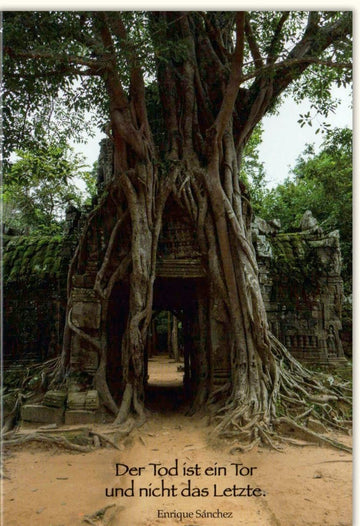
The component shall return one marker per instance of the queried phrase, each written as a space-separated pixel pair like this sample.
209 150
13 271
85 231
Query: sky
284 140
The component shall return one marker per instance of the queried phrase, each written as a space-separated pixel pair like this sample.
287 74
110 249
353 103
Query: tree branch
289 63
276 38
254 49
235 79
66 60
121 117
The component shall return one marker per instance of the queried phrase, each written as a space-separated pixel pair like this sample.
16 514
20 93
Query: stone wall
302 289
299 276
34 296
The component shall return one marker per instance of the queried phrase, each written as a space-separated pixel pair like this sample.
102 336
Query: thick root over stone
304 406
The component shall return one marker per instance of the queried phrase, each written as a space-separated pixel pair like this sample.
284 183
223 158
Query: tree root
299 400
320 439
103 438
14 439
15 397
130 399
20 440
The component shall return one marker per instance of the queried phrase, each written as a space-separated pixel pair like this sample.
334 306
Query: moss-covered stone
34 258
295 261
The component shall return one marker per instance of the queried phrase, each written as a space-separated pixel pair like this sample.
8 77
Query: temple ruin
299 276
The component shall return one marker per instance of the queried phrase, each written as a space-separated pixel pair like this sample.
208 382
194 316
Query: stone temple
299 277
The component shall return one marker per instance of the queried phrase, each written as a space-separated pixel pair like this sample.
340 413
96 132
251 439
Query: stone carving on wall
177 241
105 163
307 321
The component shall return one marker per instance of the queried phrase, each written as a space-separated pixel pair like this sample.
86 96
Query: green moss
34 258
295 263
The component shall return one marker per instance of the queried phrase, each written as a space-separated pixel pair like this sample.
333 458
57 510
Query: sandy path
307 486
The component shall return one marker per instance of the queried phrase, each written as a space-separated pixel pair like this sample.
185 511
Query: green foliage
56 63
322 183
252 171
50 88
162 322
39 99
89 179
38 186
314 84
57 66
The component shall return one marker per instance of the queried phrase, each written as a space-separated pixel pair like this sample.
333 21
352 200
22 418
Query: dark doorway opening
171 361
170 358
165 362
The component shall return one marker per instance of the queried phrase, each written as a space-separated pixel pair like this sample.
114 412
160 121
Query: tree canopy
39 184
54 63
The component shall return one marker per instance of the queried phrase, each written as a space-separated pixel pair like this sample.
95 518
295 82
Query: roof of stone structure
43 258
34 258
300 250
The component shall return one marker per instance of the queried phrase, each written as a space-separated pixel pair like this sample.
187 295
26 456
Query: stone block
86 315
78 280
80 417
76 401
42 414
55 398
89 361
92 401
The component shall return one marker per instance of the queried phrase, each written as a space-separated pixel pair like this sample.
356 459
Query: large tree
183 92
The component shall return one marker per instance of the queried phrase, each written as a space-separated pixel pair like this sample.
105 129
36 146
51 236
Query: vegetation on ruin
28 259
320 182
214 75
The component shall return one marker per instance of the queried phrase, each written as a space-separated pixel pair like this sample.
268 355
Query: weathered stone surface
299 275
86 315
265 227
83 358
55 398
105 163
263 247
76 400
275 224
79 417
81 292
302 289
180 268
72 217
42 414
309 223
92 401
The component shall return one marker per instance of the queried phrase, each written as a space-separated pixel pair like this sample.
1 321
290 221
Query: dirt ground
195 483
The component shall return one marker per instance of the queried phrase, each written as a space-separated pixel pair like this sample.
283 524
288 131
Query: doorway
175 343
